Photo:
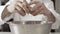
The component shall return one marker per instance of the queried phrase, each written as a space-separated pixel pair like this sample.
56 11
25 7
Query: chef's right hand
20 7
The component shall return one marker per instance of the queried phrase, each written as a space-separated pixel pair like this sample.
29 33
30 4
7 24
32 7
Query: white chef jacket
48 4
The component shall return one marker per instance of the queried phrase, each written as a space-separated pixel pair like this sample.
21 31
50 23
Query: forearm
51 17
5 13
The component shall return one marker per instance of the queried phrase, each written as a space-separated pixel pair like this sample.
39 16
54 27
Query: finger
25 8
39 11
37 5
33 2
35 13
43 9
25 2
19 1
35 9
20 10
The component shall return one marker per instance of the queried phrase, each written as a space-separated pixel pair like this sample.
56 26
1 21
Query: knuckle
22 13
19 9
34 14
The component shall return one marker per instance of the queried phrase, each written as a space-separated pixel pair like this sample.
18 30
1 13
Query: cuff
10 8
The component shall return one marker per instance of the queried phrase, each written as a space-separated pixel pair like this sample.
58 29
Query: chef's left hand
40 8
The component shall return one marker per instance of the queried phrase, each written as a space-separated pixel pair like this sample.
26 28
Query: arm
12 8
43 10
46 11
5 13
50 16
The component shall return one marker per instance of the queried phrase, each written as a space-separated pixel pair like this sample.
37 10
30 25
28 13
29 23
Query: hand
40 8
22 7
